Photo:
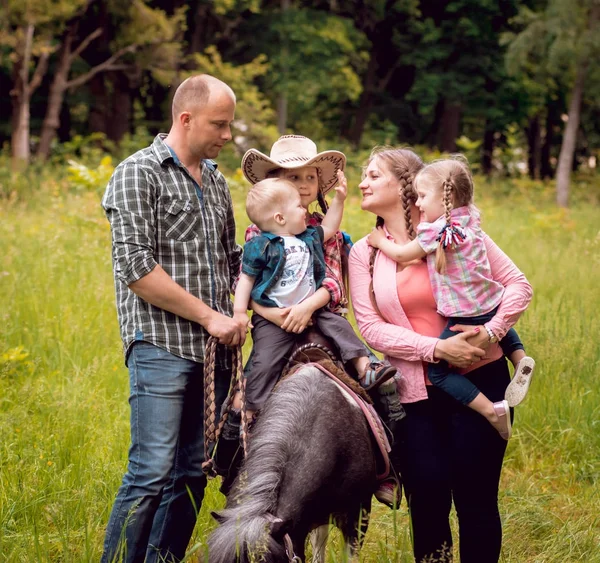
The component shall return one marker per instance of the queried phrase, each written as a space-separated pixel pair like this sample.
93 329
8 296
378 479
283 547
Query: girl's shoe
504 426
518 387
389 493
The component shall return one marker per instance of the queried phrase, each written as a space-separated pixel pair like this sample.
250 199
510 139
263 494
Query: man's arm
129 204
160 290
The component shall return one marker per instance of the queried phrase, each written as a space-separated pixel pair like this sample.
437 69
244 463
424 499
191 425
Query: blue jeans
454 383
156 507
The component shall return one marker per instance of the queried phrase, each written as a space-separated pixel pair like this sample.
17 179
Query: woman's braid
407 195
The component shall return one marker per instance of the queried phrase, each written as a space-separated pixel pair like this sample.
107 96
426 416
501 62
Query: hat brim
256 166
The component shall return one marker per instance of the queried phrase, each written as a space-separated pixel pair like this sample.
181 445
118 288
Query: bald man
174 262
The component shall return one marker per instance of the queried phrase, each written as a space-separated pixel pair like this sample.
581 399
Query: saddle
317 350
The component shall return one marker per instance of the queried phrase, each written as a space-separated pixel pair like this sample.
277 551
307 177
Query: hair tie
451 235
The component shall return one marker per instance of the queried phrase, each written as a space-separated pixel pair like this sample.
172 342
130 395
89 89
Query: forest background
83 83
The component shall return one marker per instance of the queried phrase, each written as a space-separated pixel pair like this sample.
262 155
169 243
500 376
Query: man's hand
228 331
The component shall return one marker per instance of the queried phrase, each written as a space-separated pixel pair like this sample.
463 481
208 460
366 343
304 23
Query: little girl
449 234
314 174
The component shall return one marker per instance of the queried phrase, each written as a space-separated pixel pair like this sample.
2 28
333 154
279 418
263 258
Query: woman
445 452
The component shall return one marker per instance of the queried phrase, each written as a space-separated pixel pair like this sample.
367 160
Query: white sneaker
518 387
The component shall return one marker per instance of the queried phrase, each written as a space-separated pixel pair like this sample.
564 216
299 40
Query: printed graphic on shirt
297 281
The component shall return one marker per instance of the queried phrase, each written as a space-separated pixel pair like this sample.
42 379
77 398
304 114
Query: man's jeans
156 507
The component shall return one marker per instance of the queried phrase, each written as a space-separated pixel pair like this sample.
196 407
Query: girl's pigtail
408 197
451 234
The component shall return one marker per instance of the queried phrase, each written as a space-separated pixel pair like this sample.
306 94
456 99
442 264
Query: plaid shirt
467 288
159 215
333 249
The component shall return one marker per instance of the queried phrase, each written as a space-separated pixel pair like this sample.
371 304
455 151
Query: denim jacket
264 259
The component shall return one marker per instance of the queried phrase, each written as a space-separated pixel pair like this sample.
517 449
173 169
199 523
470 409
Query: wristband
493 337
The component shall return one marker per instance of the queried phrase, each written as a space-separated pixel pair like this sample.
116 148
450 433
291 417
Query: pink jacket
393 334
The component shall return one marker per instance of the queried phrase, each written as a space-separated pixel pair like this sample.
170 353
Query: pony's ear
279 528
218 517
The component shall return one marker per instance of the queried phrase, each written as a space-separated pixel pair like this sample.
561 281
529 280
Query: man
174 260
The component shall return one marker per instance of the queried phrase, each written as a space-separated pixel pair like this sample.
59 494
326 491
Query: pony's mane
248 518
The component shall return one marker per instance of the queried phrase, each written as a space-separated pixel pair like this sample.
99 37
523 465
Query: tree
589 48
29 28
144 30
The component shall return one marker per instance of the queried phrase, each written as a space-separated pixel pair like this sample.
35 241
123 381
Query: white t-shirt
297 281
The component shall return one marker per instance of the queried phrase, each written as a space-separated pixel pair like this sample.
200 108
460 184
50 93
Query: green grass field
63 385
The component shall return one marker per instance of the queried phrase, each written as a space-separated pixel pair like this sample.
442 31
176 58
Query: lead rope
212 431
289 550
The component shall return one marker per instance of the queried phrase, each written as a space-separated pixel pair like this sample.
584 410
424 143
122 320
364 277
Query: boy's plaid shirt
334 275
159 215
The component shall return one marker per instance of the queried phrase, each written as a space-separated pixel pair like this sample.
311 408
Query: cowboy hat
293 151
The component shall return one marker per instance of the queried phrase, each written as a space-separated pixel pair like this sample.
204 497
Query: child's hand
341 191
298 318
375 238
243 320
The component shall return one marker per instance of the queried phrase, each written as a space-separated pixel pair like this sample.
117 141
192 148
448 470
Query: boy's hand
243 321
376 237
341 191
298 318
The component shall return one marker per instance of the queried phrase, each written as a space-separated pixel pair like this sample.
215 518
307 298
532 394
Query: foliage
65 422
254 114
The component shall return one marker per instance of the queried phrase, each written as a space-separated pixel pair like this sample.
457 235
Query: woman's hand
457 350
481 340
375 238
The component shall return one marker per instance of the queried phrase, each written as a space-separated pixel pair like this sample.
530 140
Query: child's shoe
389 493
376 374
504 425
518 387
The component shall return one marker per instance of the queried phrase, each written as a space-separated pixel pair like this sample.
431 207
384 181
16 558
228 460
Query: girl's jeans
456 385
156 507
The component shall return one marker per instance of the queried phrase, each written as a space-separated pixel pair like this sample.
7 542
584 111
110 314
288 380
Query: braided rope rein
212 430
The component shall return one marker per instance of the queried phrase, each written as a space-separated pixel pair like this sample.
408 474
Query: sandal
377 374
505 427
518 387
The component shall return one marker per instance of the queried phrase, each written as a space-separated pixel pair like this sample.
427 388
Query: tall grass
63 386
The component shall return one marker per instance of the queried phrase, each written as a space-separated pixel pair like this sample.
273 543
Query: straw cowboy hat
294 151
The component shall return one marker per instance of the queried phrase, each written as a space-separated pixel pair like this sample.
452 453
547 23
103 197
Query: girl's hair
452 177
404 164
279 172
265 198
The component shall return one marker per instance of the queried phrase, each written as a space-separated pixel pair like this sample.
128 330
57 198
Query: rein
212 431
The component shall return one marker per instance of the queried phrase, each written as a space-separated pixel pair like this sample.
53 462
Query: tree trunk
21 96
488 150
121 107
546 170
55 99
567 149
534 142
365 101
449 129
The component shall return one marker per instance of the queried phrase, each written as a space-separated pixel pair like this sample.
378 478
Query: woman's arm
517 293
395 340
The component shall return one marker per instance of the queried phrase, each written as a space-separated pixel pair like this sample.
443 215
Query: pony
311 460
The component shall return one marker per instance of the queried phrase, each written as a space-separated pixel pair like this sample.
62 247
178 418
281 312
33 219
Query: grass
63 385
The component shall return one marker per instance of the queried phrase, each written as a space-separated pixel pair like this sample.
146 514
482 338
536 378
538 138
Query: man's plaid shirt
159 215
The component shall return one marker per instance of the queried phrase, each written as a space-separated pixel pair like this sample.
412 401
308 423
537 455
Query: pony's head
256 540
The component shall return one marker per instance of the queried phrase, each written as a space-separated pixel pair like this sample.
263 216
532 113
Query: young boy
283 267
